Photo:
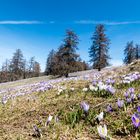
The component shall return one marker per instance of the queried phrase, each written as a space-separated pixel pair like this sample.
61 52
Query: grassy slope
23 82
18 116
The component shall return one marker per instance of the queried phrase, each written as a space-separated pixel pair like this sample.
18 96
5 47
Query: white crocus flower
100 116
59 91
85 89
126 81
4 100
102 86
49 119
102 131
93 88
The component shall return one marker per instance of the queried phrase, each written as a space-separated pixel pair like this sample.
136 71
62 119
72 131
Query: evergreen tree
56 65
129 53
31 63
31 66
18 68
66 55
36 69
50 63
17 64
137 51
98 52
5 71
24 69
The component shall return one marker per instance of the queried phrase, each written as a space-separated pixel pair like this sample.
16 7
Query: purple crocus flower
85 106
110 81
138 109
111 89
126 94
94 83
120 103
129 100
136 120
109 108
131 90
133 96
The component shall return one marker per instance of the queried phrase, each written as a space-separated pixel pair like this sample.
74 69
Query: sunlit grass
19 115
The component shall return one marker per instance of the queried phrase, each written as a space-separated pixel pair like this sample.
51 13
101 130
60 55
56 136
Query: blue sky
37 26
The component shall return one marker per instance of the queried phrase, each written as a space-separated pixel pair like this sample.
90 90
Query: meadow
88 106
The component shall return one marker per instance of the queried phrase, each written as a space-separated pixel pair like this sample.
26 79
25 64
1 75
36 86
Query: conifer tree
31 66
67 55
98 52
36 69
17 64
18 68
50 63
5 71
129 53
25 69
137 51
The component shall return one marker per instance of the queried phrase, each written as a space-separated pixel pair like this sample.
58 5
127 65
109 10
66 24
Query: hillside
68 108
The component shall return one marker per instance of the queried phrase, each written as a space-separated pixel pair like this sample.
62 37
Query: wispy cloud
27 22
20 22
106 22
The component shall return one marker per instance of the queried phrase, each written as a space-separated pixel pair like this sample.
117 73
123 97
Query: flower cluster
11 93
101 86
130 77
130 95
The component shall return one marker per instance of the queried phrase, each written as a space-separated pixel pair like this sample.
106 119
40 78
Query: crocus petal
102 131
136 120
138 109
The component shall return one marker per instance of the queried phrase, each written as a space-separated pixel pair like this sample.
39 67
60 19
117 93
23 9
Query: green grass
18 116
